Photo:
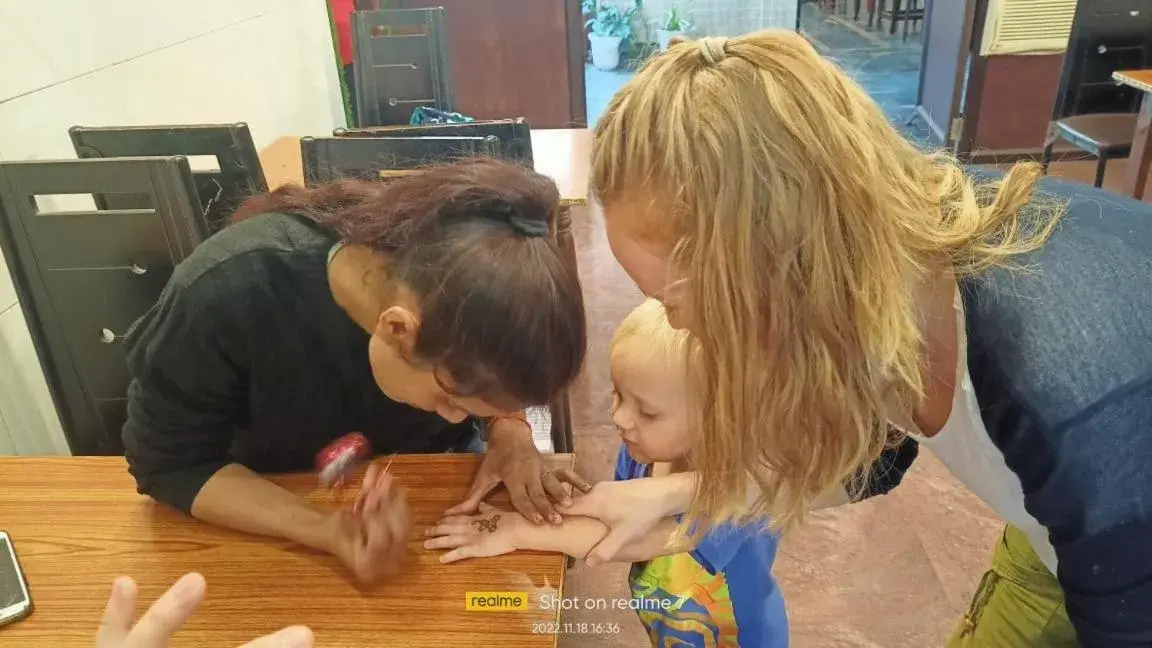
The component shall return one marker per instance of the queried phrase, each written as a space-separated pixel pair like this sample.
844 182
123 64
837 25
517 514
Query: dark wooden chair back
330 158
84 276
1091 111
514 135
401 63
1106 36
239 173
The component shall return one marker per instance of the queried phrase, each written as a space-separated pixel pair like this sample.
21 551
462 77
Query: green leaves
676 18
608 18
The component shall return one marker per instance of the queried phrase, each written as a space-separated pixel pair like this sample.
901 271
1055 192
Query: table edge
1122 77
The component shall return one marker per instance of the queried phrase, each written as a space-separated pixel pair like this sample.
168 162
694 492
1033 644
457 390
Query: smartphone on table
15 601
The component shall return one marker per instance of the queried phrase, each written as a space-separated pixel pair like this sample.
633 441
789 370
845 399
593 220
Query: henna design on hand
488 524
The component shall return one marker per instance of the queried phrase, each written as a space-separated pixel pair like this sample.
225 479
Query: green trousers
1019 603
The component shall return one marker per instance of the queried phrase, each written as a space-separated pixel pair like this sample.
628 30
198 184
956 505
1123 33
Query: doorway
880 43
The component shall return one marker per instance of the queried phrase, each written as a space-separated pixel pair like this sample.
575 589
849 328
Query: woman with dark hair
407 311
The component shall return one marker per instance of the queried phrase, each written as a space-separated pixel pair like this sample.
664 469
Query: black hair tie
529 227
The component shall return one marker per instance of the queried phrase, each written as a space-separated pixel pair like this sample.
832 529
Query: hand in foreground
167 614
513 460
630 508
371 538
492 532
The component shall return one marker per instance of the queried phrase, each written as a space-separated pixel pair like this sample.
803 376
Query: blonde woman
853 295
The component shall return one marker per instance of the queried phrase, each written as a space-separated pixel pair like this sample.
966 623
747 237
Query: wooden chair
514 135
84 276
1106 136
401 62
1091 112
221 190
329 158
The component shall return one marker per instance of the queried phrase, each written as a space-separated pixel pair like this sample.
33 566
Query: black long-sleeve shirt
247 358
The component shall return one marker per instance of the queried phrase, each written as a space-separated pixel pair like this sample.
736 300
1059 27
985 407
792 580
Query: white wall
269 63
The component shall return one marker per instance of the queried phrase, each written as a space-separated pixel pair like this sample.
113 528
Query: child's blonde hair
646 328
804 223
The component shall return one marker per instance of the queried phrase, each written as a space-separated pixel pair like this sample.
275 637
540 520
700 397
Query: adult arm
670 495
576 536
493 532
512 459
187 357
633 508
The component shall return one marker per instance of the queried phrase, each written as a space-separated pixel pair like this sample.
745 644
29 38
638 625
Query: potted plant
609 26
673 24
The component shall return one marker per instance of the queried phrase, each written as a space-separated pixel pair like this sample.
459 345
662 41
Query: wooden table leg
1140 160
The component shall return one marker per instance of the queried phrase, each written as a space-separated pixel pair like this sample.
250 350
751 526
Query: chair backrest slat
221 191
515 135
329 158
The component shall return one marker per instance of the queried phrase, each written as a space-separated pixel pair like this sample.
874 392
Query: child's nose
620 419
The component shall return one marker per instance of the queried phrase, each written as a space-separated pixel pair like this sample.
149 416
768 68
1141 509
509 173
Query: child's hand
491 532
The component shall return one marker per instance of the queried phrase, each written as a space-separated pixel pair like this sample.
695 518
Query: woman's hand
119 628
513 460
371 538
631 509
490 533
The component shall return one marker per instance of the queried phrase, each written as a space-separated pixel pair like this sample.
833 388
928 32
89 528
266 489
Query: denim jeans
472 444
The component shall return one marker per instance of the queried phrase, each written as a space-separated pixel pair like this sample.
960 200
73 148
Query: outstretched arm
494 532
633 508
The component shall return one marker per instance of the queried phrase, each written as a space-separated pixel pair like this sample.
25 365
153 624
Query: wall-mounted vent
1027 26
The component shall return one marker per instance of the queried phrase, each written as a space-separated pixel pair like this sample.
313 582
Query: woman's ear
398 327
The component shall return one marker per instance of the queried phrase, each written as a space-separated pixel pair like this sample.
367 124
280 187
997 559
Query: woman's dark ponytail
501 310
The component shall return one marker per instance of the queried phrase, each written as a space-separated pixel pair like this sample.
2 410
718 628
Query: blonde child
717 591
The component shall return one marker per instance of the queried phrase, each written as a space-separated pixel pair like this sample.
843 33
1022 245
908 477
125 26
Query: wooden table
1140 159
565 155
77 523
